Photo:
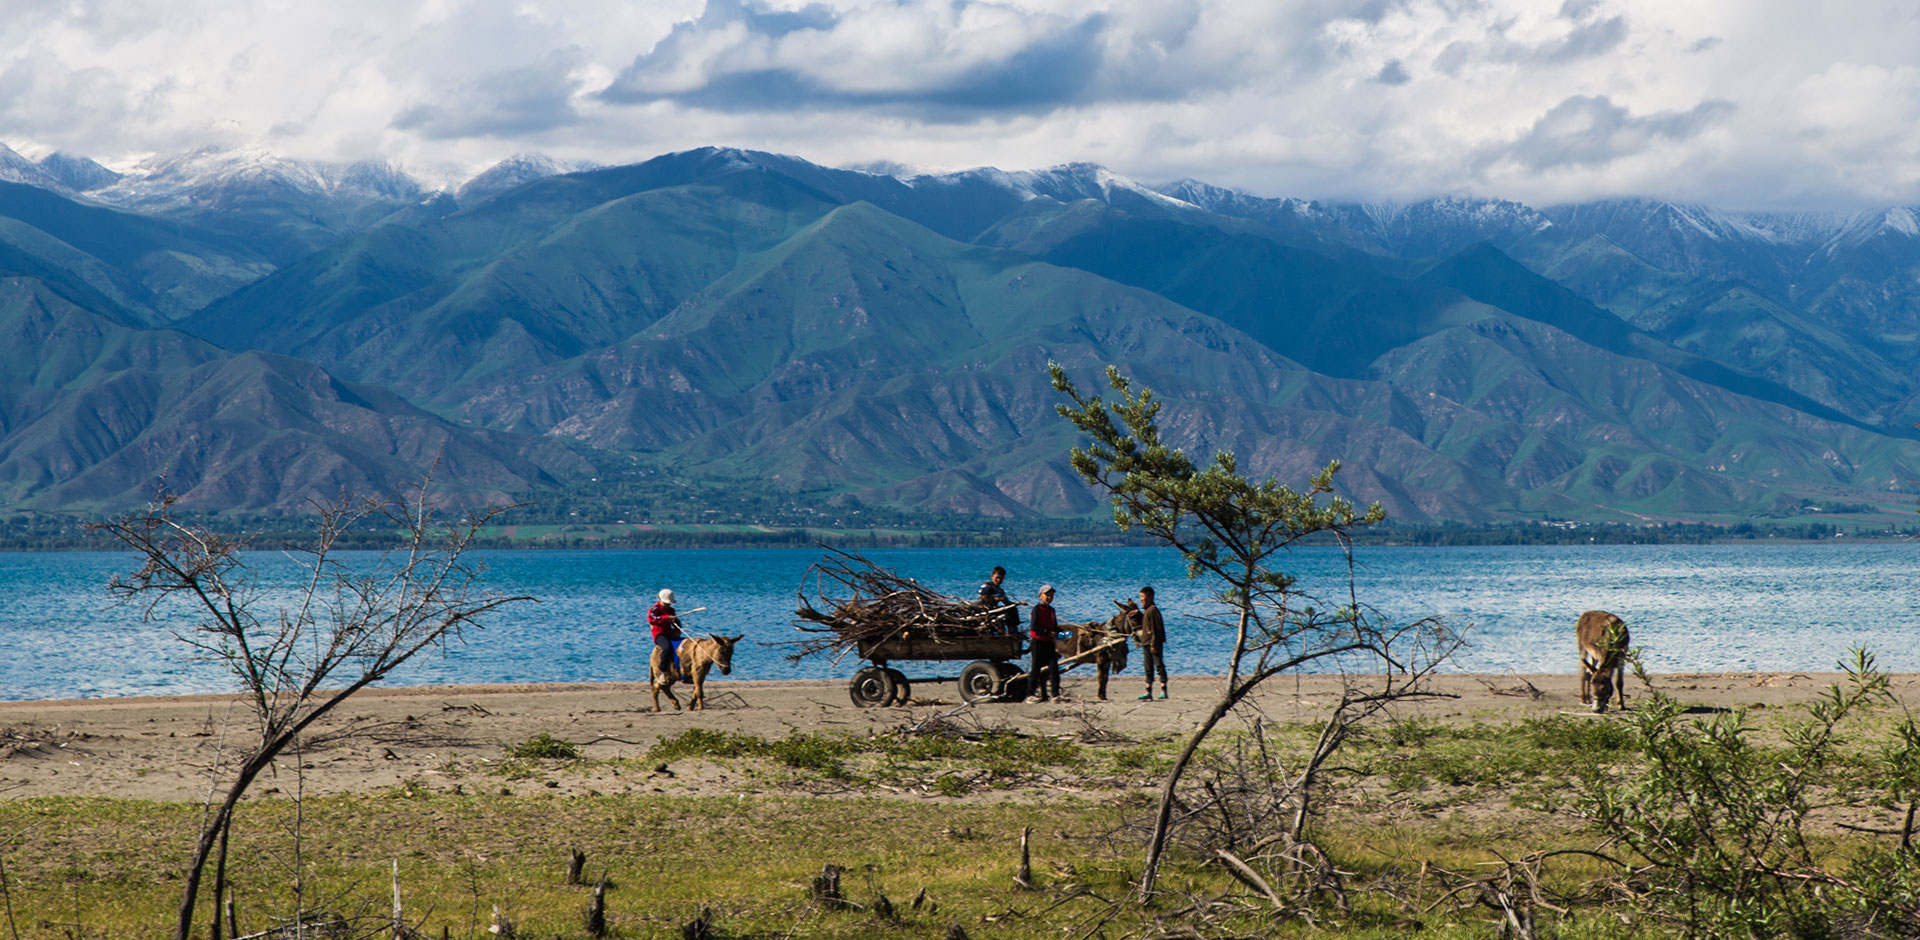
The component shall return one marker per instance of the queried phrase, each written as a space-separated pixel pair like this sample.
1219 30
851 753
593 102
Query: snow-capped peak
1067 182
15 168
186 177
515 171
1071 181
1900 219
77 173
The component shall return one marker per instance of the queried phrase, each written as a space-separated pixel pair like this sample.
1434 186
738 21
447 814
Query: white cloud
1747 104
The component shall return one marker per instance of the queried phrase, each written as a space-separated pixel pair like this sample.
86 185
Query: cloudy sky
1739 103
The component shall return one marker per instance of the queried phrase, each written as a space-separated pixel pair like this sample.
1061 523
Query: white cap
666 595
1046 589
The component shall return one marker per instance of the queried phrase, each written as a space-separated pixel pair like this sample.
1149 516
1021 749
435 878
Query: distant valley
258 331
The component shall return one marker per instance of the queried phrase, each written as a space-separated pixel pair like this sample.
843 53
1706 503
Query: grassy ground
106 868
926 830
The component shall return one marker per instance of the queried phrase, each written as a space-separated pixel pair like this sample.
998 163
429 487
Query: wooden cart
989 673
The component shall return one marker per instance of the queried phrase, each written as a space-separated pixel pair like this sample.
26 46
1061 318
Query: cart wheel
1013 686
871 688
979 682
902 689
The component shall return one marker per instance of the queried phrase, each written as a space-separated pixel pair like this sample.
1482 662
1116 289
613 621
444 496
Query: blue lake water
1692 608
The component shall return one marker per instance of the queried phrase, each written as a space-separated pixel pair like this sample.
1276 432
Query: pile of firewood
846 599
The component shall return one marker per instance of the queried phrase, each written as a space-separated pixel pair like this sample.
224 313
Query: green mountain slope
542 274
829 333
1335 315
871 355
1375 317
141 269
95 414
1729 322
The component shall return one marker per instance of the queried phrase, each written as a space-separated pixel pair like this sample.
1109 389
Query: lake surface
1692 608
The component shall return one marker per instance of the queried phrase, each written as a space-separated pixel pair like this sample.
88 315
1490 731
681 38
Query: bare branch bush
298 654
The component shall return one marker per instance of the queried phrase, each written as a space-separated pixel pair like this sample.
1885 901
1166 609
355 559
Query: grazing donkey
697 655
1603 642
1094 634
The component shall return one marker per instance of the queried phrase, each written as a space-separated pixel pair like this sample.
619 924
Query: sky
1742 104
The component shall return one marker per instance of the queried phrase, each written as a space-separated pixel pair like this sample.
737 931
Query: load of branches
846 600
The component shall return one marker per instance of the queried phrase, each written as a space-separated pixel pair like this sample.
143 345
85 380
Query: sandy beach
161 748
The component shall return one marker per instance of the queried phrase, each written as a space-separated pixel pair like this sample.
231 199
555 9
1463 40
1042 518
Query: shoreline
1846 532
840 684
533 545
447 737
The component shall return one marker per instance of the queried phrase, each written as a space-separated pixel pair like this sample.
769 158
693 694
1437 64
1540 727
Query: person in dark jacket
993 595
1043 628
666 630
1153 643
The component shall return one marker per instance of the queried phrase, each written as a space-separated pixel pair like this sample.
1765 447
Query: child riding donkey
667 666
665 622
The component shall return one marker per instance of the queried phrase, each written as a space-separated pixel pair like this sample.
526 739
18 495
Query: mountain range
258 331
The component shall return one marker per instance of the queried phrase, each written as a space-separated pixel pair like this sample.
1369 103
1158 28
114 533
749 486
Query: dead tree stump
1024 877
826 888
576 861
597 909
700 928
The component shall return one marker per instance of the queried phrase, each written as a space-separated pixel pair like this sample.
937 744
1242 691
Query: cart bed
1003 647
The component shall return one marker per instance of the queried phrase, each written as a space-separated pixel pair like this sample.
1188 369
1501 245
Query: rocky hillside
258 331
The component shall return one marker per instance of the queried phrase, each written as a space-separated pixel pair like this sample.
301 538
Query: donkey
697 655
1094 634
1602 639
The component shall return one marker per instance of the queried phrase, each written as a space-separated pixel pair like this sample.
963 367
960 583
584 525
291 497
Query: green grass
1418 806
1002 759
1414 755
110 865
544 746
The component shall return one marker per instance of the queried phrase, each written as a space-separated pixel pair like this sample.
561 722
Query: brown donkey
1093 635
697 655
1603 639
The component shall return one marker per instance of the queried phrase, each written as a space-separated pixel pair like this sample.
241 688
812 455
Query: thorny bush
1716 825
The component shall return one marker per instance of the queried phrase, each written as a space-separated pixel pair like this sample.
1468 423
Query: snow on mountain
1801 228
379 178
1242 205
15 168
1421 229
1073 181
1858 229
188 177
1680 236
1441 225
1068 182
513 172
77 173
986 175
892 168
1691 220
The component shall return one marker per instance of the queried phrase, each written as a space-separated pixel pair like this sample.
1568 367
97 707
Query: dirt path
161 747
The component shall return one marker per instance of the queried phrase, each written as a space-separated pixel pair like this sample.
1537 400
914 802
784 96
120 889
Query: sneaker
1035 699
1146 698
1163 693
